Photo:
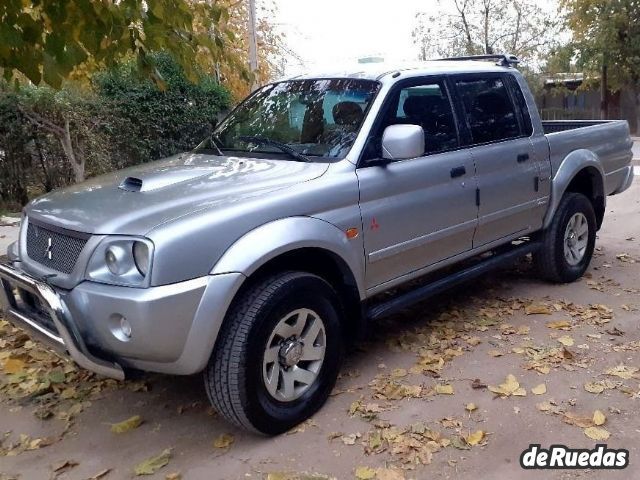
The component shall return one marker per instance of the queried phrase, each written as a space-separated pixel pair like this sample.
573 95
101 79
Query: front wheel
568 243
278 355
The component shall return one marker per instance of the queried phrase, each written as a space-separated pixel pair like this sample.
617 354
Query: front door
420 211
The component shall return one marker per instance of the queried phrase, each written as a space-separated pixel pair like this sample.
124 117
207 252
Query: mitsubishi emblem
48 250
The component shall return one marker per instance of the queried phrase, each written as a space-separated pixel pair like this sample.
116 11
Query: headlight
121 261
141 257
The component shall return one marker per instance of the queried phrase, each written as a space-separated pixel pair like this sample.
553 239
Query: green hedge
122 120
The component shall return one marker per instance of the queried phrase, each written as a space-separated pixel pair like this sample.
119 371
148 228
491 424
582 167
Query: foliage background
123 120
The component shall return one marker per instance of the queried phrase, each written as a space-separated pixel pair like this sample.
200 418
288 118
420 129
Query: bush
52 138
146 123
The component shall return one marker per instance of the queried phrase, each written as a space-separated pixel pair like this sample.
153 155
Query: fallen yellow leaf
622 371
444 389
537 309
475 438
539 390
153 464
594 387
223 441
559 325
599 418
365 473
509 387
126 425
596 433
470 407
13 365
566 340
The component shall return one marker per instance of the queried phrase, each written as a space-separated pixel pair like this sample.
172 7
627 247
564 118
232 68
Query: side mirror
401 142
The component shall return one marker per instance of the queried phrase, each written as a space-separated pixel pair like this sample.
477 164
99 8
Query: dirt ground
401 407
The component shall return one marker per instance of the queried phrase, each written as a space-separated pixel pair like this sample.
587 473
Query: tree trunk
75 158
487 13
604 94
462 10
35 151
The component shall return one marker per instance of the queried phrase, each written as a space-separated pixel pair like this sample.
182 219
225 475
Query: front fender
572 164
272 239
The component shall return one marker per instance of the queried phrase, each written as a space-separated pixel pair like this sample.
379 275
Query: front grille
55 250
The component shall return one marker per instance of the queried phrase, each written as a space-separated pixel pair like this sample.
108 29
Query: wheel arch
580 172
302 244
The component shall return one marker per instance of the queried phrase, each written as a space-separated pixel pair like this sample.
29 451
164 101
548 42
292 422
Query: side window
521 103
426 105
489 111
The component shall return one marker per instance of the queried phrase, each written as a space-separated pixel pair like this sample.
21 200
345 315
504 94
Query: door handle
458 171
523 157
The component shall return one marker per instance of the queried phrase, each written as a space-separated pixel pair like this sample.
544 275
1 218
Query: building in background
565 96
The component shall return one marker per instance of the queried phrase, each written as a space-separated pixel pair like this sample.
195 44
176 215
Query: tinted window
490 113
521 103
426 105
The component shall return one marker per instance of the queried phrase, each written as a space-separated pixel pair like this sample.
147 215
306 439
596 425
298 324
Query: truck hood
137 199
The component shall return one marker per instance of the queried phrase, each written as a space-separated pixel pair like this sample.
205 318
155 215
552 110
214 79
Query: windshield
314 118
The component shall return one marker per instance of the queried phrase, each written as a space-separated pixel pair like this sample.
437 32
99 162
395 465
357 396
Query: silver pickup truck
256 257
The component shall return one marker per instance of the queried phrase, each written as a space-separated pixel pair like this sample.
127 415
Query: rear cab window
521 105
489 110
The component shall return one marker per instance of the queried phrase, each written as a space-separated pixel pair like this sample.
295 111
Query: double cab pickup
258 256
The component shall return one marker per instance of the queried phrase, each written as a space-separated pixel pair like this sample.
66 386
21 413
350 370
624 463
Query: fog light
125 327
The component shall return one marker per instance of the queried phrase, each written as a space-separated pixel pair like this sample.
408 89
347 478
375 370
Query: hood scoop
131 184
161 178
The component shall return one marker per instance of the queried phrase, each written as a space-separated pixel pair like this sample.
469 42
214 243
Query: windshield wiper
273 143
214 142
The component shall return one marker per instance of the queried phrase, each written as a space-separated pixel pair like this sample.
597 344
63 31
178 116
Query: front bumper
174 327
63 336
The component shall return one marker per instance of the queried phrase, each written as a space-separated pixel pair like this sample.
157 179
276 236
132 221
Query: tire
553 261
258 322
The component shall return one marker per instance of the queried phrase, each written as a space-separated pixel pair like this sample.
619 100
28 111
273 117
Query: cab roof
376 71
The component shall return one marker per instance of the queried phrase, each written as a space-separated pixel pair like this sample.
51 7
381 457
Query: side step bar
419 294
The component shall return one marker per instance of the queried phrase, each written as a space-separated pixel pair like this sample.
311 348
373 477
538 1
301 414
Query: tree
51 40
69 117
232 71
606 42
472 27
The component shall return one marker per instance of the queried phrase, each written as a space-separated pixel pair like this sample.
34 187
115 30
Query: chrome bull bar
67 340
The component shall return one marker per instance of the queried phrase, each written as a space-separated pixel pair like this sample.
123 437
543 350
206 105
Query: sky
333 33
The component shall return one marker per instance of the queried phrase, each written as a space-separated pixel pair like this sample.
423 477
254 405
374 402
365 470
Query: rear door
419 211
505 158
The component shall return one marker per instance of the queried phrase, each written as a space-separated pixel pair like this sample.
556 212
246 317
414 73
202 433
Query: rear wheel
278 354
568 243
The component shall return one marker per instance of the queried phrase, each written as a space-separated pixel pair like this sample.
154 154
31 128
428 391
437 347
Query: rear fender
573 164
